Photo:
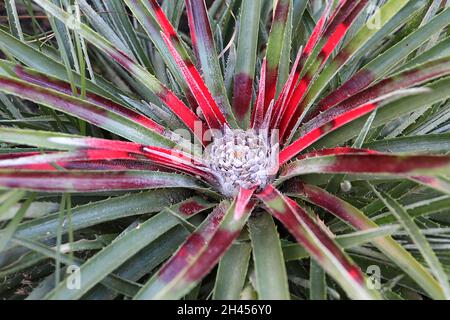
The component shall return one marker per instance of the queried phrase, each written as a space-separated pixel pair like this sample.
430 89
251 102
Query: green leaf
247 46
144 262
357 219
88 111
430 143
101 211
125 287
13 18
297 252
317 281
271 277
9 230
123 248
439 92
232 272
46 64
419 239
9 199
200 253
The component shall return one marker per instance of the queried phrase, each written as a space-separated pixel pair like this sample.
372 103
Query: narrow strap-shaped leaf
315 134
355 218
62 141
112 281
438 183
270 270
437 92
103 26
317 282
67 142
335 151
246 59
93 181
321 247
205 50
12 197
275 47
87 215
430 143
42 62
98 165
137 71
164 157
85 110
64 87
36 159
13 19
372 164
213 115
316 34
294 251
258 109
199 254
283 98
417 237
142 262
125 246
232 272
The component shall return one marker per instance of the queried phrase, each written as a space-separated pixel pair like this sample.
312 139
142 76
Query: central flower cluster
241 159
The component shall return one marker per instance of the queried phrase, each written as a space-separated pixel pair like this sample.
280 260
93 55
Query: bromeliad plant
300 142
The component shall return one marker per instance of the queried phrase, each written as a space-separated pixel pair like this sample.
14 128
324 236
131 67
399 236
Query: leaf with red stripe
173 159
93 181
438 183
148 80
214 117
370 164
406 79
247 47
334 119
305 54
62 141
92 113
200 253
100 165
130 242
64 87
280 104
335 151
258 109
275 48
316 133
207 57
153 20
351 48
317 242
355 218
